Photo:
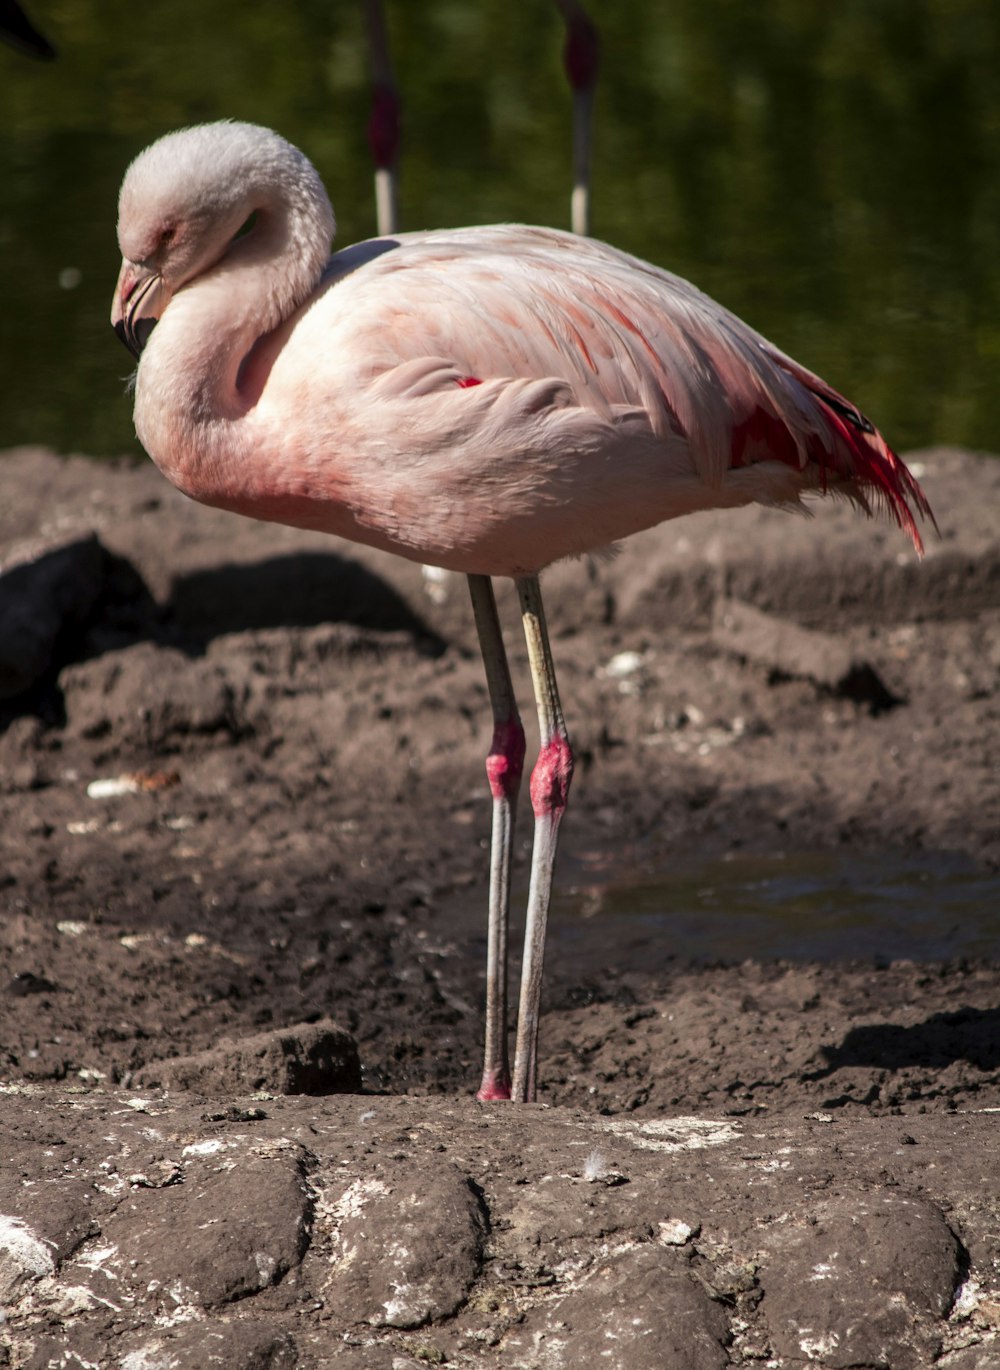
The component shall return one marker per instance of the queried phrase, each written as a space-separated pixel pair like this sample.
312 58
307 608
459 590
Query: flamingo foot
495 1086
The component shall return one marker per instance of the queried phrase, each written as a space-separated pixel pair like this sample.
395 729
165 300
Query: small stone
157 1175
674 1232
624 664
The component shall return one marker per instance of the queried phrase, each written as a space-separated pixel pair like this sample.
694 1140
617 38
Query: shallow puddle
805 906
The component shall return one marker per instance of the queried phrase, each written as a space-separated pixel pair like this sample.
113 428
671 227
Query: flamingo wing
618 335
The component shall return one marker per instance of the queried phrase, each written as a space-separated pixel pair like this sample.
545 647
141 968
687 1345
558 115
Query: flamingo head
186 201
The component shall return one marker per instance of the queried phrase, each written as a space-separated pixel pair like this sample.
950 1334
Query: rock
327 1351
220 1247
986 1357
786 649
408 1247
152 697
82 1346
43 596
218 1344
57 1211
642 1310
24 1257
861 1281
307 1058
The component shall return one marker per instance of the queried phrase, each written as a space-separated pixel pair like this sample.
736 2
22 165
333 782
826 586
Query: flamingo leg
383 125
550 781
503 767
581 56
583 104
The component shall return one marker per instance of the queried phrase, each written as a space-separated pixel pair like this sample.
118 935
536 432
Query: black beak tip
123 337
134 338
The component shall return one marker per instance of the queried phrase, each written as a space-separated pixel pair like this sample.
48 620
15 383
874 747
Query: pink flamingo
488 400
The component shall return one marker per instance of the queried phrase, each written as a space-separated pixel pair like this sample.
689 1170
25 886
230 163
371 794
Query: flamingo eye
245 227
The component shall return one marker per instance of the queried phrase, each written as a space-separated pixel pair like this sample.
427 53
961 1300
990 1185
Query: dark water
805 906
830 171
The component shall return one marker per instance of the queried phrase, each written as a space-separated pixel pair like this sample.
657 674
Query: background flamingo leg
504 766
550 781
581 57
383 123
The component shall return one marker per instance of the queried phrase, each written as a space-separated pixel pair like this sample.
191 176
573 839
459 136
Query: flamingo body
488 400
336 395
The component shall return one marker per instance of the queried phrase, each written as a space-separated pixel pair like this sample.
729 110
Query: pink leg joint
551 778
506 759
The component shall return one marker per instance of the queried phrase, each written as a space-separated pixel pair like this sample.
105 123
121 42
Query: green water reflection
830 171
805 906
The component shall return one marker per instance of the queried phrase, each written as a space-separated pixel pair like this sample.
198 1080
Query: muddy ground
242 876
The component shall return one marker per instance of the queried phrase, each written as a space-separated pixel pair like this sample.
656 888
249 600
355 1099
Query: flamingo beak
138 303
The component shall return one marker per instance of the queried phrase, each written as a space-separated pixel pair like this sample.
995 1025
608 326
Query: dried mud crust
243 812
395 1233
